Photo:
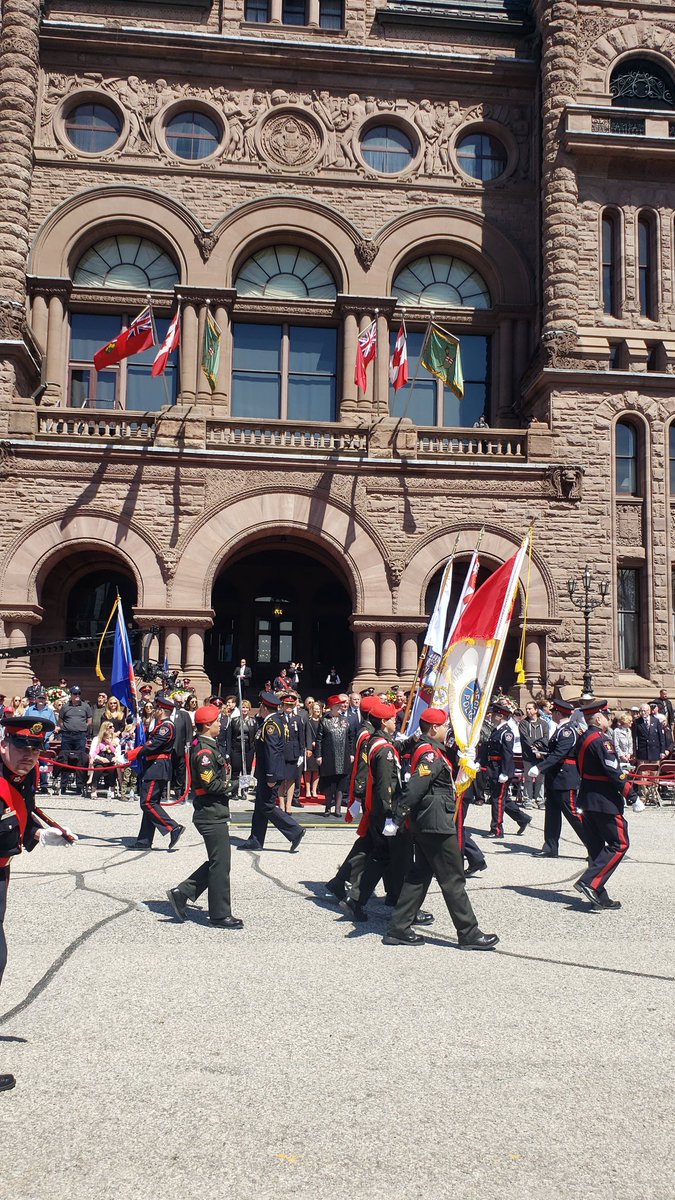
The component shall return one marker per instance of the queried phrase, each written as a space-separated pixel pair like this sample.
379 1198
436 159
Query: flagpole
158 343
412 694
376 367
417 368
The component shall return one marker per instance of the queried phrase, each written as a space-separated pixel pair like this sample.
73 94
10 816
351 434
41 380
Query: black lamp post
587 604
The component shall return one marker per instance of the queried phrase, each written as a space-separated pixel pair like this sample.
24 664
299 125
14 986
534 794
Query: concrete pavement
302 1058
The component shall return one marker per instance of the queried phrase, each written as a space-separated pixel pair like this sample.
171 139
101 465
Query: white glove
300 760
390 829
503 779
533 772
355 808
52 837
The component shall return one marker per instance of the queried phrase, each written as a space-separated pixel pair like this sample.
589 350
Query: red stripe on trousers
160 817
598 881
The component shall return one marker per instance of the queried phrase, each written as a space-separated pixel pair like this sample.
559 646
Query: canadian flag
171 341
398 364
366 351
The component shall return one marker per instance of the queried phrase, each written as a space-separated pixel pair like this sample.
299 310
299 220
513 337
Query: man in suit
648 735
242 677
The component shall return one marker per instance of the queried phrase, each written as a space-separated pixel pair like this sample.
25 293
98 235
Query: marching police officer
156 752
269 769
500 771
602 790
429 800
562 781
212 791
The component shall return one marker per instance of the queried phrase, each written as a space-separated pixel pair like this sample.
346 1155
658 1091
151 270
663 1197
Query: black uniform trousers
607 841
154 816
4 884
212 823
387 858
74 746
500 798
561 804
178 772
435 855
472 852
266 809
354 862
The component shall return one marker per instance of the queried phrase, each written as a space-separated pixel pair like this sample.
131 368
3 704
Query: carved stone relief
564 483
629 524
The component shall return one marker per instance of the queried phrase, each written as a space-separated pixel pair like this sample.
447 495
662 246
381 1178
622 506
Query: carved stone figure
290 140
565 483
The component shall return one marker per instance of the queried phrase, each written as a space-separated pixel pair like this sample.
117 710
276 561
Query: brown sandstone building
298 168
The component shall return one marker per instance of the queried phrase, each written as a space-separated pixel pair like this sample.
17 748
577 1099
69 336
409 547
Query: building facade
295 170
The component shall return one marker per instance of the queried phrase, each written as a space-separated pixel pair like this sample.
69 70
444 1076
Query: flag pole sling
417 368
412 694
158 343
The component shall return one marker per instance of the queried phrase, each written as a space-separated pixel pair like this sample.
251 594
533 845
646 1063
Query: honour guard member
156 753
562 781
336 887
19 830
602 791
429 801
269 770
500 772
212 791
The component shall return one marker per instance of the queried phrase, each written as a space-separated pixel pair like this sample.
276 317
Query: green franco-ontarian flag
211 351
441 356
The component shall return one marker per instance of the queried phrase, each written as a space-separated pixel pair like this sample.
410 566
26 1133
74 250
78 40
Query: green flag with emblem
441 356
211 350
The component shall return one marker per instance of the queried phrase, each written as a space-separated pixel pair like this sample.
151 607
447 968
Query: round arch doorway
278 603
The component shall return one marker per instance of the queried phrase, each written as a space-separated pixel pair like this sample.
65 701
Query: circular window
192 135
286 271
481 156
440 281
93 128
387 148
126 261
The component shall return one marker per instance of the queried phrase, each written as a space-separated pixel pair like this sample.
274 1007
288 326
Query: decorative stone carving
629 524
206 244
366 251
291 140
565 483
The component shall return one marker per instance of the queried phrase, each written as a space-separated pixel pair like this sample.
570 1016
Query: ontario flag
468 669
122 677
398 363
366 351
170 343
138 337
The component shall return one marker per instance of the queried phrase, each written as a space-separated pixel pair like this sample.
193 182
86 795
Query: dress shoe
523 826
403 939
474 870
175 835
295 844
606 902
424 918
334 891
228 923
251 843
296 804
544 853
482 941
354 911
497 836
7 1082
590 893
326 812
178 902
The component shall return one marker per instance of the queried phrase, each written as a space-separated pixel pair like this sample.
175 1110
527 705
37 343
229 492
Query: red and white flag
138 337
171 341
398 363
366 351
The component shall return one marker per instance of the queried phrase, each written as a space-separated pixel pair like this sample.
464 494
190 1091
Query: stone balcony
387 437
594 128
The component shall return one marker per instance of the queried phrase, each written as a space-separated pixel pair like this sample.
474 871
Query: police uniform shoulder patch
423 769
431 757
205 759
508 736
390 756
608 746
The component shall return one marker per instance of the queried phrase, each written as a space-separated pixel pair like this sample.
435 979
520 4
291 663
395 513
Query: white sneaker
638 806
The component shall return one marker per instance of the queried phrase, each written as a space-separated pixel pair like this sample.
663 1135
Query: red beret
434 716
382 711
333 700
207 714
367 703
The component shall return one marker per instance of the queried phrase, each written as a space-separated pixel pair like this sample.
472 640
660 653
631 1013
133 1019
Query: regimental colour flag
366 351
441 356
170 343
211 350
138 337
398 363
433 651
122 677
468 669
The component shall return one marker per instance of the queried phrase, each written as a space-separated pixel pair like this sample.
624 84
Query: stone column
188 353
19 75
409 657
349 406
388 656
313 15
365 653
275 12
54 362
220 398
173 648
558 22
533 661
16 672
39 320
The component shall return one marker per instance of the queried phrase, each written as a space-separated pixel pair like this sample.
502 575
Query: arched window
610 263
641 83
646 262
286 370
441 281
626 459
129 263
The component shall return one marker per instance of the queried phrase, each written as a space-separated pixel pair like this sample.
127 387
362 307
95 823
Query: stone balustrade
587 126
69 423
284 435
472 443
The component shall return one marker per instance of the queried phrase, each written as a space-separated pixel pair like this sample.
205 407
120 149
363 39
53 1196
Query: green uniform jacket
429 798
209 778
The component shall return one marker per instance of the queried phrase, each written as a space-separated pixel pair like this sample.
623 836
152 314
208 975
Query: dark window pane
192 135
293 12
330 14
641 83
481 156
89 332
387 148
256 378
312 374
645 267
93 128
257 347
626 459
257 10
628 606
609 302
312 349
